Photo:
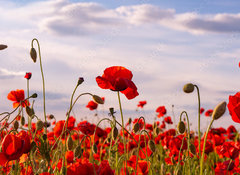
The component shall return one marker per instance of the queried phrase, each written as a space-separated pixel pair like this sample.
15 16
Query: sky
165 44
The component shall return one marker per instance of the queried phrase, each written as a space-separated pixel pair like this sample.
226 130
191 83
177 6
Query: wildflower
202 110
117 78
92 105
17 97
168 120
28 75
234 107
161 110
208 113
141 104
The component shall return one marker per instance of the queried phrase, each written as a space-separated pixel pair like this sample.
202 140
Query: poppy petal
131 91
103 83
118 71
3 159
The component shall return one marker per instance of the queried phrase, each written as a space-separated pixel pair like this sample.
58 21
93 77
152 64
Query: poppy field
43 145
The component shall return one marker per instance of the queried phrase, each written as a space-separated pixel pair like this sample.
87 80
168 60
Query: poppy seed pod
39 125
15 125
33 55
94 148
136 127
22 121
2 46
181 127
98 99
219 110
78 152
151 145
188 88
30 111
114 133
70 143
192 149
157 130
51 116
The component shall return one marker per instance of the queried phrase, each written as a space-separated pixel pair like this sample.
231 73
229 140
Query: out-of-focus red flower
163 125
118 78
28 75
168 120
141 104
86 128
59 126
161 110
17 97
92 105
27 143
208 113
69 155
202 110
234 107
105 169
12 148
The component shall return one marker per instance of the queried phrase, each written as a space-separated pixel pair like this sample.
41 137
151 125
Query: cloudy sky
165 44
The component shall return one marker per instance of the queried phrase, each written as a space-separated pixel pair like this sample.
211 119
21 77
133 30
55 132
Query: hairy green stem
199 122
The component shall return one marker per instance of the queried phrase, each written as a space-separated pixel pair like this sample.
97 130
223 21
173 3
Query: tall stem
124 141
40 60
199 123
204 145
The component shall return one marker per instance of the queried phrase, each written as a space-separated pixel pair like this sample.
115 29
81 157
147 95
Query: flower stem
199 123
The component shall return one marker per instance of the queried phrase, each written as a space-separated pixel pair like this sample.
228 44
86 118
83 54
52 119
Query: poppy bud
112 111
94 148
22 121
33 55
2 46
44 137
33 146
188 88
129 121
80 81
136 127
219 110
114 133
39 125
157 130
98 99
192 149
15 125
30 111
181 127
78 152
151 145
28 75
70 143
34 95
51 116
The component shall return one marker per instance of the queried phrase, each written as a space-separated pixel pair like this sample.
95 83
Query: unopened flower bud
34 95
15 125
181 127
136 127
192 149
44 137
80 80
78 152
94 148
157 130
51 116
22 121
39 125
114 133
98 99
33 55
151 145
30 111
2 46
129 121
70 143
188 88
219 110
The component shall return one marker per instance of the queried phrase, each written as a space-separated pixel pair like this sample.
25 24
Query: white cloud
4 73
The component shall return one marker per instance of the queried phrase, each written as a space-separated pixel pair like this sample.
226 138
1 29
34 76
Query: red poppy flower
92 105
69 155
141 104
117 78
208 113
105 169
168 120
28 75
17 97
202 110
27 144
161 110
12 148
86 128
234 107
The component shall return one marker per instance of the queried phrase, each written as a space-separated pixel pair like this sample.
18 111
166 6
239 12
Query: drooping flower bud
33 55
70 143
98 99
94 148
34 95
136 127
114 133
15 125
22 121
181 127
2 46
39 125
30 111
44 137
80 80
78 152
192 149
51 116
129 121
188 88
151 145
219 110
157 130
